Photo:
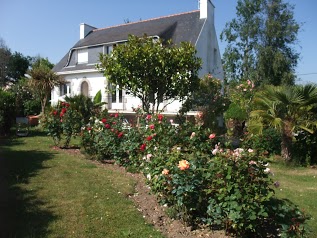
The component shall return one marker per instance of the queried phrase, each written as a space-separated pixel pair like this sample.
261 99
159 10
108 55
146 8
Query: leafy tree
209 99
18 66
152 70
287 108
43 80
5 54
260 43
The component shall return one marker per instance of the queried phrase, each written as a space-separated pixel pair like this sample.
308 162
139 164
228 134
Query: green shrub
200 182
63 122
102 138
304 150
7 111
268 142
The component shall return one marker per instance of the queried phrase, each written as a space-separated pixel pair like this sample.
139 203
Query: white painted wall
207 44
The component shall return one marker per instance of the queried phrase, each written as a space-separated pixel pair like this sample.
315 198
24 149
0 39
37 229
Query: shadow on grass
22 213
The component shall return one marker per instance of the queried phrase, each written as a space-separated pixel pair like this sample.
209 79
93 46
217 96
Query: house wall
95 80
207 46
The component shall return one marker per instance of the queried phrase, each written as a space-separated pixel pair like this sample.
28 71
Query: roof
179 27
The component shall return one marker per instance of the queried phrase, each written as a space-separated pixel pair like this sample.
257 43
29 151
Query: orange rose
183 165
165 172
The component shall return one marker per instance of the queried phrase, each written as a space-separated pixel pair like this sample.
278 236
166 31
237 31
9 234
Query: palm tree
43 80
287 108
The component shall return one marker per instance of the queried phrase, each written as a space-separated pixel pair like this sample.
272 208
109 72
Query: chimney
206 9
84 30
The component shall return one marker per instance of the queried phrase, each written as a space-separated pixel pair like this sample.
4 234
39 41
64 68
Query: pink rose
212 136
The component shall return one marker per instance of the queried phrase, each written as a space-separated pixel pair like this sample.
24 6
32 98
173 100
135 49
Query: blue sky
51 28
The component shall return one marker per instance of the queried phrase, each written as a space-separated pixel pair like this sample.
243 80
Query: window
94 53
116 94
82 56
64 89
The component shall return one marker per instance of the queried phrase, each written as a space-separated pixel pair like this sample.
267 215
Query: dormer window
82 56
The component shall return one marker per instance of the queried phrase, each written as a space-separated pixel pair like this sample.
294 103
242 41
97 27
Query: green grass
299 185
57 194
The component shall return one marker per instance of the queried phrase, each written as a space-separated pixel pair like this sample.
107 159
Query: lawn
299 185
57 194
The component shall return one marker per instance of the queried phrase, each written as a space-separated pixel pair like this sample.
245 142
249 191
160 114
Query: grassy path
57 194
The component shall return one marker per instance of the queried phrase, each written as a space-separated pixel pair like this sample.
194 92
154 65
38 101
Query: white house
78 65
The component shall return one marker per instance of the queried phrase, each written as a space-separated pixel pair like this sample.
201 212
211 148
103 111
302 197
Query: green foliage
17 66
269 142
7 111
102 138
25 101
305 149
63 123
43 80
209 99
260 43
235 112
289 109
83 105
152 70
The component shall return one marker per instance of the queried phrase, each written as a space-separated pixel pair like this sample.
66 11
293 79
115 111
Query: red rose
160 117
107 126
120 134
64 110
116 115
89 129
104 120
55 112
152 127
142 147
149 138
148 117
61 114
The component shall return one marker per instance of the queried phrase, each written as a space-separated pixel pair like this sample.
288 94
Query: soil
155 214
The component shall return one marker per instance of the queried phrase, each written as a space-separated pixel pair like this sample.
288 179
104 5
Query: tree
209 100
287 108
260 43
17 66
5 54
153 70
43 80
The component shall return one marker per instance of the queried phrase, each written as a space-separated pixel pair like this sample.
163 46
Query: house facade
78 66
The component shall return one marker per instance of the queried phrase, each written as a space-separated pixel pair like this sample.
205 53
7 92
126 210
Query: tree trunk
286 145
43 104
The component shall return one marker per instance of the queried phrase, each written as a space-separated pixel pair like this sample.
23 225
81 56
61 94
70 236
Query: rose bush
62 123
199 180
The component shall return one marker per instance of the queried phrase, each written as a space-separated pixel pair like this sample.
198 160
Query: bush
7 111
199 181
304 150
101 138
269 142
63 122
